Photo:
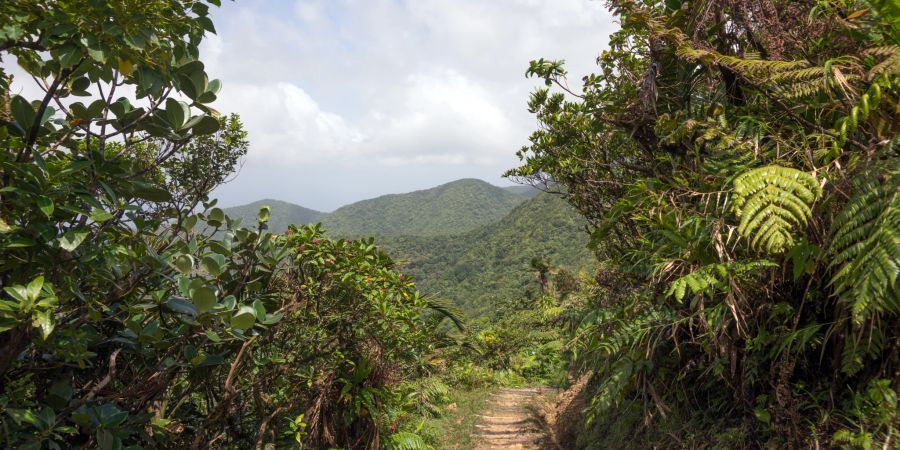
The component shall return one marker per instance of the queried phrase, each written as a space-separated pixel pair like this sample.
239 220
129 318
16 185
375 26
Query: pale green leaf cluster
771 202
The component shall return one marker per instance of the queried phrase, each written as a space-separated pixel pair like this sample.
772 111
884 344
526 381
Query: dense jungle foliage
738 163
136 314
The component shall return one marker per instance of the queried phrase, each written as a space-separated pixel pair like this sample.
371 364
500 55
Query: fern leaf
713 277
890 63
866 250
771 201
404 440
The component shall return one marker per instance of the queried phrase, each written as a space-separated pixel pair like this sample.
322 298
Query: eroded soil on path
509 421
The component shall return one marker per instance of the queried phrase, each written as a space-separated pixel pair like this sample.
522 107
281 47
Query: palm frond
448 310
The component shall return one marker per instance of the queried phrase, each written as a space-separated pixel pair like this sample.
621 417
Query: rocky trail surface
509 421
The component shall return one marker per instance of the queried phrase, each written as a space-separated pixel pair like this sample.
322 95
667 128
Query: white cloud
286 125
443 115
388 87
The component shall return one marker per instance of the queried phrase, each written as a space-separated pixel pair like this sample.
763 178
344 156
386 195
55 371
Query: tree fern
404 440
866 250
771 201
712 277
890 60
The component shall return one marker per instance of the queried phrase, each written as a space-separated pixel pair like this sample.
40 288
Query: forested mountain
524 190
283 214
451 208
474 268
477 269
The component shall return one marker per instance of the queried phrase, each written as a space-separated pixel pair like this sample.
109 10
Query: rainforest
701 249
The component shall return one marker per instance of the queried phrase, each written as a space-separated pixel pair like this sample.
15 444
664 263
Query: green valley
469 255
492 264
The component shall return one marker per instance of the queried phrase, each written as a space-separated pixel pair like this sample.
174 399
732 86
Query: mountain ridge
283 214
449 208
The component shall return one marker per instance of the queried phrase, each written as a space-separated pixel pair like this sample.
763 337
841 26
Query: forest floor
510 420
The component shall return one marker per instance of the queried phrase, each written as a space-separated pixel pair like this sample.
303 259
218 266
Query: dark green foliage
452 208
284 214
134 313
740 179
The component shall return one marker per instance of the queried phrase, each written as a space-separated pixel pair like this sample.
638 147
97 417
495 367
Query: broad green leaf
34 288
264 213
215 217
73 238
5 227
244 318
214 264
184 263
259 309
229 302
206 125
18 242
22 111
81 84
7 323
204 298
213 336
214 86
43 320
182 306
177 112
69 55
18 292
46 206
189 223
151 193
100 215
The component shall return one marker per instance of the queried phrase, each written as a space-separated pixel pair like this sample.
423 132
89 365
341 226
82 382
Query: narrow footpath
509 422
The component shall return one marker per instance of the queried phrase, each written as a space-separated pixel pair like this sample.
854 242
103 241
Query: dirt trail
508 422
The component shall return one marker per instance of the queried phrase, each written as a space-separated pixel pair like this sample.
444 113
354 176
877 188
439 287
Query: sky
345 100
350 99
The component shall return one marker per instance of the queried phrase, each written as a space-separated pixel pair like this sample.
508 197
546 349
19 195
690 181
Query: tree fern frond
711 277
802 89
404 440
890 62
771 201
866 250
793 76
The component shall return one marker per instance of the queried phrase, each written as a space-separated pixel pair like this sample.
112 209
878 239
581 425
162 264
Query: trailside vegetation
134 313
738 163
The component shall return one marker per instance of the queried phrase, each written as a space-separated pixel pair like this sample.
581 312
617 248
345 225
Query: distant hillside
451 208
527 191
481 267
283 214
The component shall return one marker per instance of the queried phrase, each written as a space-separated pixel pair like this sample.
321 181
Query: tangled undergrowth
738 162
